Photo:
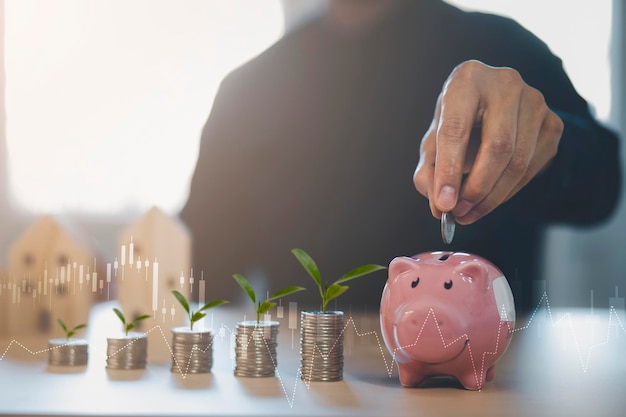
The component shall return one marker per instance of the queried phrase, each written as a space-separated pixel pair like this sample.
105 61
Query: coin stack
192 351
255 348
67 352
127 352
321 346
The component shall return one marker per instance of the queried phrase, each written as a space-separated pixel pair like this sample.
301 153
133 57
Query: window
578 32
106 99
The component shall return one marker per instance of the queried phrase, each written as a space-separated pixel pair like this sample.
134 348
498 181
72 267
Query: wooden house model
50 276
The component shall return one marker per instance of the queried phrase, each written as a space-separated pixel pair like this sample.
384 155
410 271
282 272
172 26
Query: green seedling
335 289
130 325
194 316
70 332
263 306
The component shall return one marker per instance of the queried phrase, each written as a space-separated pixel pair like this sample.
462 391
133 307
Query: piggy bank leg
491 373
410 375
472 380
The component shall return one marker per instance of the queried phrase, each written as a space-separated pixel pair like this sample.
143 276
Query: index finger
459 106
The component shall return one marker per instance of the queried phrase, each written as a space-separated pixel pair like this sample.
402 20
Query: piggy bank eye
447 285
414 283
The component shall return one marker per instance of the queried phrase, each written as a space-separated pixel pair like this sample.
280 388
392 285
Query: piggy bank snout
425 333
418 317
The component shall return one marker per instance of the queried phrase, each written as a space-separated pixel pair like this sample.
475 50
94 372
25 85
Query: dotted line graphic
326 355
290 394
39 352
584 362
307 380
124 347
194 348
464 337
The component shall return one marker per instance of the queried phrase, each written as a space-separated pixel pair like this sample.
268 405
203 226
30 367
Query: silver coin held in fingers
447 227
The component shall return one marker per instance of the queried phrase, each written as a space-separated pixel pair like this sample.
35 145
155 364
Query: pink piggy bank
446 313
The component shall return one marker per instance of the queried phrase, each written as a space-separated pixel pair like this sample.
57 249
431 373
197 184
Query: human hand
491 128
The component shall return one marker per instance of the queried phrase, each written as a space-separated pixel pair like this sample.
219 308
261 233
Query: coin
447 226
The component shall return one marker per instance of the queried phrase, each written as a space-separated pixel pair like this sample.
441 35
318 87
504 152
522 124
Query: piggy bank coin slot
444 257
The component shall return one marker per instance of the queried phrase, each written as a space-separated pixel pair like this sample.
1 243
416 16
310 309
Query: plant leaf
197 316
334 291
62 325
309 265
245 285
213 304
130 327
265 307
182 300
285 291
80 326
70 334
145 316
120 315
359 272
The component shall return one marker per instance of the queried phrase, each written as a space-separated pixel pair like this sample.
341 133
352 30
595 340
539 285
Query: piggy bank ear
400 265
474 272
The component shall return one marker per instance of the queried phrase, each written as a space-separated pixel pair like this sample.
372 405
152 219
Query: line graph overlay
566 320
431 316
38 351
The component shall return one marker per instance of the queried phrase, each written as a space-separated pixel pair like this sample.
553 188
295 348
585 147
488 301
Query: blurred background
103 105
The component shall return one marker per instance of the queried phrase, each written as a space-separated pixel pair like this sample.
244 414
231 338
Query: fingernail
447 198
462 208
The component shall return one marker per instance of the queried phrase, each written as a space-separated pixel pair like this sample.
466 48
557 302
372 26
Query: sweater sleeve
582 184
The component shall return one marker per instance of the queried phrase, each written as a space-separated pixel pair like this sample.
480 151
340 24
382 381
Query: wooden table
560 363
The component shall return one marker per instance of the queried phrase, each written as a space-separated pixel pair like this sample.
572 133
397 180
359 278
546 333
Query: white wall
106 101
580 262
113 95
